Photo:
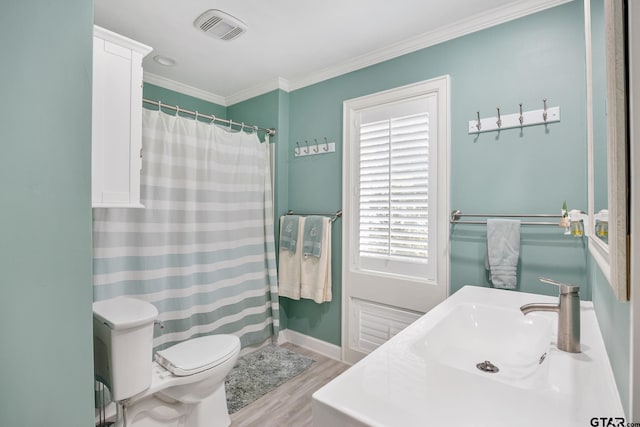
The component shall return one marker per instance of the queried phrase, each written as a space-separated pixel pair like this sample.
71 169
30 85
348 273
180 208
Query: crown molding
166 83
490 18
260 89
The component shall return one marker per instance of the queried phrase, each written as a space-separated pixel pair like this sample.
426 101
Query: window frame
438 87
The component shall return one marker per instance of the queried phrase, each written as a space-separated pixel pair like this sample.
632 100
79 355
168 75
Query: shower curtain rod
270 132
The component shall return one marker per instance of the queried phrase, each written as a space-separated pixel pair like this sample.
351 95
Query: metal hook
521 119
230 123
213 119
499 122
177 110
478 125
315 150
306 150
242 127
196 115
544 113
160 106
326 143
297 149
255 129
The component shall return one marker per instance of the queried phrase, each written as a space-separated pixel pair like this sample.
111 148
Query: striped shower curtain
202 250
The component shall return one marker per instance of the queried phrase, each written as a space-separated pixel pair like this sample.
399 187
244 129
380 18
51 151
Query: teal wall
599 86
614 318
46 362
533 170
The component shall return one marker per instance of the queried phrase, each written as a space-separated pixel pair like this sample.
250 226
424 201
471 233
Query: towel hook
196 115
521 119
306 150
177 110
242 127
297 149
326 143
478 125
315 150
255 129
160 106
213 119
544 113
499 122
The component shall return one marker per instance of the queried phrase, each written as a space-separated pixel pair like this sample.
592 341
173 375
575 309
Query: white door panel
380 295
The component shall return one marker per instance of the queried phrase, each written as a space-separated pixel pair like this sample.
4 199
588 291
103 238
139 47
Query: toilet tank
123 345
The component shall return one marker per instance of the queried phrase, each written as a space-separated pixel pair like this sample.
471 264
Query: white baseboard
310 343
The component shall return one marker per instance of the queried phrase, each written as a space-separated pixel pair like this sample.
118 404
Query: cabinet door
117 97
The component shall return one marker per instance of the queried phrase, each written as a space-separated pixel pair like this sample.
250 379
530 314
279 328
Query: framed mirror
607 139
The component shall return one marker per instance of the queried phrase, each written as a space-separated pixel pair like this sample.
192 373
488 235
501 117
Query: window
394 180
394 187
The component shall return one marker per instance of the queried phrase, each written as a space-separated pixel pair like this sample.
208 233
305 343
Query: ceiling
292 43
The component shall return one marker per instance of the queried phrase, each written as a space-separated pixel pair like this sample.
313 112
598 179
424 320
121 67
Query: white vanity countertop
393 386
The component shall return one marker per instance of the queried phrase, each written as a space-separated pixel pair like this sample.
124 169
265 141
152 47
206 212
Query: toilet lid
198 354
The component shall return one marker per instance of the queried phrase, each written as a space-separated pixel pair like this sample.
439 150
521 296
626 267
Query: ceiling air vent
220 25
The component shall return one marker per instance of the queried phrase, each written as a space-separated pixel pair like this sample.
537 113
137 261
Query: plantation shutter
394 188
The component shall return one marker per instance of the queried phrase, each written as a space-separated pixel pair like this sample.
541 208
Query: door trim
440 86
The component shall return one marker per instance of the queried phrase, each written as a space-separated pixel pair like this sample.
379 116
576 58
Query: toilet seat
197 354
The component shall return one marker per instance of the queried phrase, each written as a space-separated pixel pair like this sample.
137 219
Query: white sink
426 375
472 334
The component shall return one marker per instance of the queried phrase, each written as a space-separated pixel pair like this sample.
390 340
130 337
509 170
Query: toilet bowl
183 386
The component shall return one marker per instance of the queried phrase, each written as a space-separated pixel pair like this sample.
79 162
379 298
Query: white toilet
183 387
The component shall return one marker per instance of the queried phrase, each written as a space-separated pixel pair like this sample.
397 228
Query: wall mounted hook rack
313 149
515 120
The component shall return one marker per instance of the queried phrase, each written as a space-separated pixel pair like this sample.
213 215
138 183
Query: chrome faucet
568 310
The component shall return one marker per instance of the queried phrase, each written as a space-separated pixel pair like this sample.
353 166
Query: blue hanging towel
312 237
289 233
503 251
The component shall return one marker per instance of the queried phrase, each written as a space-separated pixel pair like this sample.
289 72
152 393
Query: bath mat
257 373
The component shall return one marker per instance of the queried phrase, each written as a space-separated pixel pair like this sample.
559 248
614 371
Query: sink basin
472 334
427 375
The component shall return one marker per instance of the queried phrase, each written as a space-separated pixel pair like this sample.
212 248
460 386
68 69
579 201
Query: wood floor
290 404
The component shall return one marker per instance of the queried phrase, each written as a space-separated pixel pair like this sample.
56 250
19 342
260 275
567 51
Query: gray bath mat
257 373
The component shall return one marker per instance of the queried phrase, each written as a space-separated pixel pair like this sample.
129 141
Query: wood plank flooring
290 404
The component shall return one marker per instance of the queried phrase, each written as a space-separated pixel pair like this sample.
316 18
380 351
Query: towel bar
455 216
333 216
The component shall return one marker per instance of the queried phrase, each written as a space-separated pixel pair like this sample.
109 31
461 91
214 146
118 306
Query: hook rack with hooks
317 147
515 120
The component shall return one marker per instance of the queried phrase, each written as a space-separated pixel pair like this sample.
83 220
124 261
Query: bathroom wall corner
614 321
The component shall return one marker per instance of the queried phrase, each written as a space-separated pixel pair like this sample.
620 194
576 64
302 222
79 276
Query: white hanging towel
289 264
503 251
315 274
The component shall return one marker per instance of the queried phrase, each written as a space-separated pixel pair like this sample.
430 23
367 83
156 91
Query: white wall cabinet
117 120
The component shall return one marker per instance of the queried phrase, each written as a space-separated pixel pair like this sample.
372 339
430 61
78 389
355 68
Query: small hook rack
313 149
515 120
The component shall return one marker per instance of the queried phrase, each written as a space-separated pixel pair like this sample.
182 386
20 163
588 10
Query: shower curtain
202 250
